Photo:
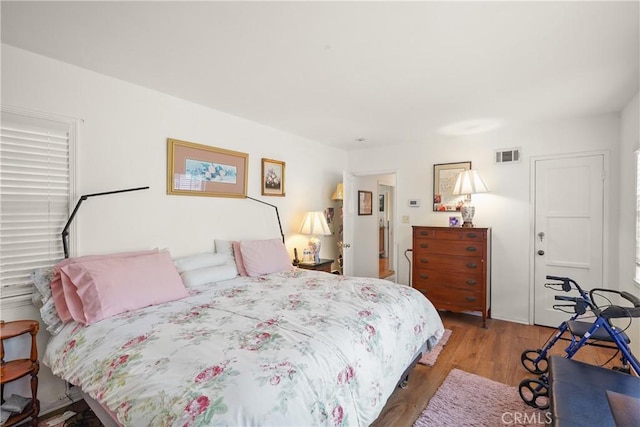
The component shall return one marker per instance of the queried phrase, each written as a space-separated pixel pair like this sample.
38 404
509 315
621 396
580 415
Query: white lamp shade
469 182
339 193
315 223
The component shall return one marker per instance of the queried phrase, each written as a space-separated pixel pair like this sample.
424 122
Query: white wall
122 144
630 142
506 208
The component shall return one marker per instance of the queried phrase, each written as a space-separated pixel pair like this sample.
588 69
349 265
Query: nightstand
323 265
14 369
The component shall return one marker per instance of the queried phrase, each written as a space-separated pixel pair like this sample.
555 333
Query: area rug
429 358
466 399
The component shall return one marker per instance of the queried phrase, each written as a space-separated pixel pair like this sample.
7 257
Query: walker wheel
533 363
534 393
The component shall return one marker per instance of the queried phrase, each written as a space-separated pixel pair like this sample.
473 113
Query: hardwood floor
384 271
492 353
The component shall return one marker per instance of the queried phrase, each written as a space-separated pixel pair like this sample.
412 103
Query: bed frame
108 419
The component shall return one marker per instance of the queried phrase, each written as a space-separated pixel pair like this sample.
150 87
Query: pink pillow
64 293
264 256
112 286
58 294
237 254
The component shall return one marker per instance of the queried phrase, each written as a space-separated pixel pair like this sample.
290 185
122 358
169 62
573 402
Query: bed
291 348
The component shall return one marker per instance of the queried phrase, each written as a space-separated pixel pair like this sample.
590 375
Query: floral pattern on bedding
292 348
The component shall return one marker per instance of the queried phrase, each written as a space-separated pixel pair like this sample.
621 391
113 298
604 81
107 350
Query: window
35 191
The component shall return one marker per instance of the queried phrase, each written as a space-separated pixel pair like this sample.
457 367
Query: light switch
405 219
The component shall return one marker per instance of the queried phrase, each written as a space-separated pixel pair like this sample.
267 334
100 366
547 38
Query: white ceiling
389 72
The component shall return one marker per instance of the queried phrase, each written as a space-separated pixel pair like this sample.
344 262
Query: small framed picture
365 203
454 221
272 177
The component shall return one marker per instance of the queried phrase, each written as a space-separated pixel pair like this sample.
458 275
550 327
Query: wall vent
510 155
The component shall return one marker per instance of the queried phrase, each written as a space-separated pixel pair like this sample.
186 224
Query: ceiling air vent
510 155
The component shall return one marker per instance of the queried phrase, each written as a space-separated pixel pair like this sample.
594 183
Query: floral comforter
300 348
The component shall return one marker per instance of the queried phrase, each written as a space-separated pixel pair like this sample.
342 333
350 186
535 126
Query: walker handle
566 286
580 306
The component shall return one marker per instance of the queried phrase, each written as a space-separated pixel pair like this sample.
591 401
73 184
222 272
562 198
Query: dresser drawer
465 264
443 298
449 247
450 234
436 279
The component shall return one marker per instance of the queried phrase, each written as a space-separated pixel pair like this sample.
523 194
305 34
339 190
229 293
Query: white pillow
194 262
205 275
223 246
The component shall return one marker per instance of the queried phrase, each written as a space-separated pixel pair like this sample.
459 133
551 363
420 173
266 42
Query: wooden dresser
452 267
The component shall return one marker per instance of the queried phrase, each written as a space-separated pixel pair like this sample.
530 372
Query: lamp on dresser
467 183
315 223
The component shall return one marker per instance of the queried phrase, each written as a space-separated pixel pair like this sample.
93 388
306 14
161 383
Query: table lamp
315 223
339 193
467 183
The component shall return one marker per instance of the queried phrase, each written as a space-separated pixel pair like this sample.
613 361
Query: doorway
385 230
568 228
361 247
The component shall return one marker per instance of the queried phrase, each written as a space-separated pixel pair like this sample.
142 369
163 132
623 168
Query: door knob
540 252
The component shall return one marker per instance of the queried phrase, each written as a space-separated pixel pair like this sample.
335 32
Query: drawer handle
472 282
424 260
471 248
472 265
424 276
424 245
471 235
470 299
424 233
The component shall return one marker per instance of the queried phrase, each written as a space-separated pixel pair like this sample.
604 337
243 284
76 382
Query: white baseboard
72 396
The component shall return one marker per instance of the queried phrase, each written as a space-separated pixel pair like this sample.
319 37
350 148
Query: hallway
384 268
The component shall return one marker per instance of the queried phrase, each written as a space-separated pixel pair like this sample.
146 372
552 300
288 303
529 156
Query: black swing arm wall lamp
65 230
277 214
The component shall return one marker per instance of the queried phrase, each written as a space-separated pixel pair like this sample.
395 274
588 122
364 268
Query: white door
569 204
348 211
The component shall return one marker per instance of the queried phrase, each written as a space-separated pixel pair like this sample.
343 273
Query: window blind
35 189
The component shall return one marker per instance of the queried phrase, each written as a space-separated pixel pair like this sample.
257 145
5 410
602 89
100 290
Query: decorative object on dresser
452 267
202 170
468 183
272 177
321 265
444 178
315 223
20 407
